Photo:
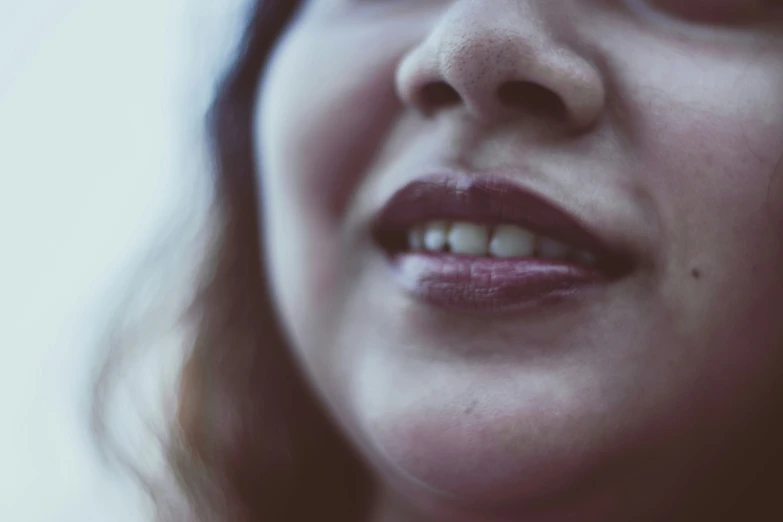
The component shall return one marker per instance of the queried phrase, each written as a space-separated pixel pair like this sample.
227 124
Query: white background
99 100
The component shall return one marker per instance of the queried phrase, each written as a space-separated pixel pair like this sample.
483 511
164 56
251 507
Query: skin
635 402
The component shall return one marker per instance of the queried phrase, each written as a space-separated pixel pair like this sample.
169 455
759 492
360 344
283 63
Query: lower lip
482 284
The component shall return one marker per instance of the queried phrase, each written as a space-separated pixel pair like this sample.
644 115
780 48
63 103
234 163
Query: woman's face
480 367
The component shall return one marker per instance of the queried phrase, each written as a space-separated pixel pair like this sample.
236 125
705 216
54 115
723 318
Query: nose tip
500 74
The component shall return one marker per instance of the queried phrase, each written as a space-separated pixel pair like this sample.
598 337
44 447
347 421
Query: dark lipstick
486 283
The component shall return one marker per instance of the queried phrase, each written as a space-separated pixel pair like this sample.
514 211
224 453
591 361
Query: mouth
486 244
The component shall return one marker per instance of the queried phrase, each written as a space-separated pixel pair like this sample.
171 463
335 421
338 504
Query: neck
757 503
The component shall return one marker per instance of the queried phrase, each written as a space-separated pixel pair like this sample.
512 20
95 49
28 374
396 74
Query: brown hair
251 441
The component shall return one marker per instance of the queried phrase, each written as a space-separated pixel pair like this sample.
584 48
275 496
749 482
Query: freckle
696 273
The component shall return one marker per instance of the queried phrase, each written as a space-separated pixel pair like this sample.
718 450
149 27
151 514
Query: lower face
586 393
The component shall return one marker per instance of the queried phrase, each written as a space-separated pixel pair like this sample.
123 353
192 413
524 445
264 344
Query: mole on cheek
696 273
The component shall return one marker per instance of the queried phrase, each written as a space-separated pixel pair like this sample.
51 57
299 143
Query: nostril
528 97
438 95
532 98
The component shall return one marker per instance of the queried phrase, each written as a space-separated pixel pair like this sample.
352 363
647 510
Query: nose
501 62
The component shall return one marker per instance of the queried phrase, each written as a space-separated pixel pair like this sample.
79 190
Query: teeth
416 238
469 239
512 241
551 249
436 235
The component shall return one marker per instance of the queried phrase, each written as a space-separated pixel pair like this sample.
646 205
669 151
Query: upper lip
491 199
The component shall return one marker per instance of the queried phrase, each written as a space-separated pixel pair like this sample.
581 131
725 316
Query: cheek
708 144
715 11
321 120
325 113
715 171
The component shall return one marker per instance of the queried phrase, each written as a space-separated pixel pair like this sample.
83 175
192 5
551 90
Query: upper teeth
500 241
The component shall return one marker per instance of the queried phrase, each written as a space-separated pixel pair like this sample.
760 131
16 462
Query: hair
250 441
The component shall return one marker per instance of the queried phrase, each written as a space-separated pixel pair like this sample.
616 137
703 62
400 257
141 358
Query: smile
485 244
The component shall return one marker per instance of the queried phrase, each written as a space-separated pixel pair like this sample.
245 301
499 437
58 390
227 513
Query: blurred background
101 156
